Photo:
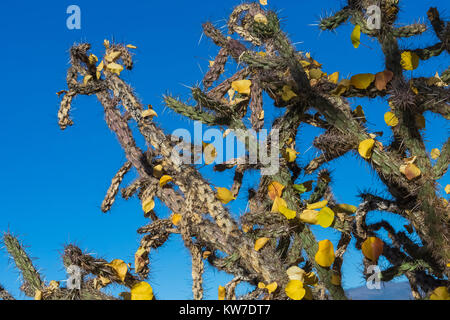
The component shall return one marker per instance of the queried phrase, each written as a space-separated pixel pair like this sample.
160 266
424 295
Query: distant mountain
388 291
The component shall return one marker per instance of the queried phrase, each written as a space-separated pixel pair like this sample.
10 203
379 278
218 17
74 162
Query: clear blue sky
53 182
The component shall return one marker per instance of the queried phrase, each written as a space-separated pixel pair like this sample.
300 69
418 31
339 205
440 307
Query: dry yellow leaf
409 60
317 205
309 216
346 208
176 219
287 93
263 2
141 291
325 254
112 56
362 80
391 119
435 153
206 254
294 290
165 179
315 74
447 189
365 148
290 155
221 293
296 273
148 204
261 242
334 77
119 267
158 171
224 195
342 86
149 113
382 79
106 43
275 189
87 78
260 18
242 86
411 171
114 68
209 152
38 295
325 217
277 204
372 248
288 213
440 293
93 58
139 261
130 46
356 36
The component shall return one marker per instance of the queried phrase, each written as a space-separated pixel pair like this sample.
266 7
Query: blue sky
53 182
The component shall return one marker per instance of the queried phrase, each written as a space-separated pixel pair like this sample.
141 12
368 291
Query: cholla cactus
272 246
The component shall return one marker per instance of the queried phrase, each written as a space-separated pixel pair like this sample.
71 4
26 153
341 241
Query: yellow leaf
53 285
271 287
131 46
260 18
435 153
164 180
158 171
355 36
261 242
224 195
325 255
100 66
209 153
288 213
411 171
246 228
221 293
372 248
342 86
315 74
391 119
317 205
447 189
148 204
275 189
335 279
334 77
114 68
106 43
119 267
294 290
346 208
139 262
420 121
290 155
263 2
262 53
112 56
261 115
436 81
309 216
365 148
440 293
287 93
141 291
206 254
149 113
242 86
176 218
93 59
87 78
362 80
409 60
295 273
38 295
277 204
325 217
